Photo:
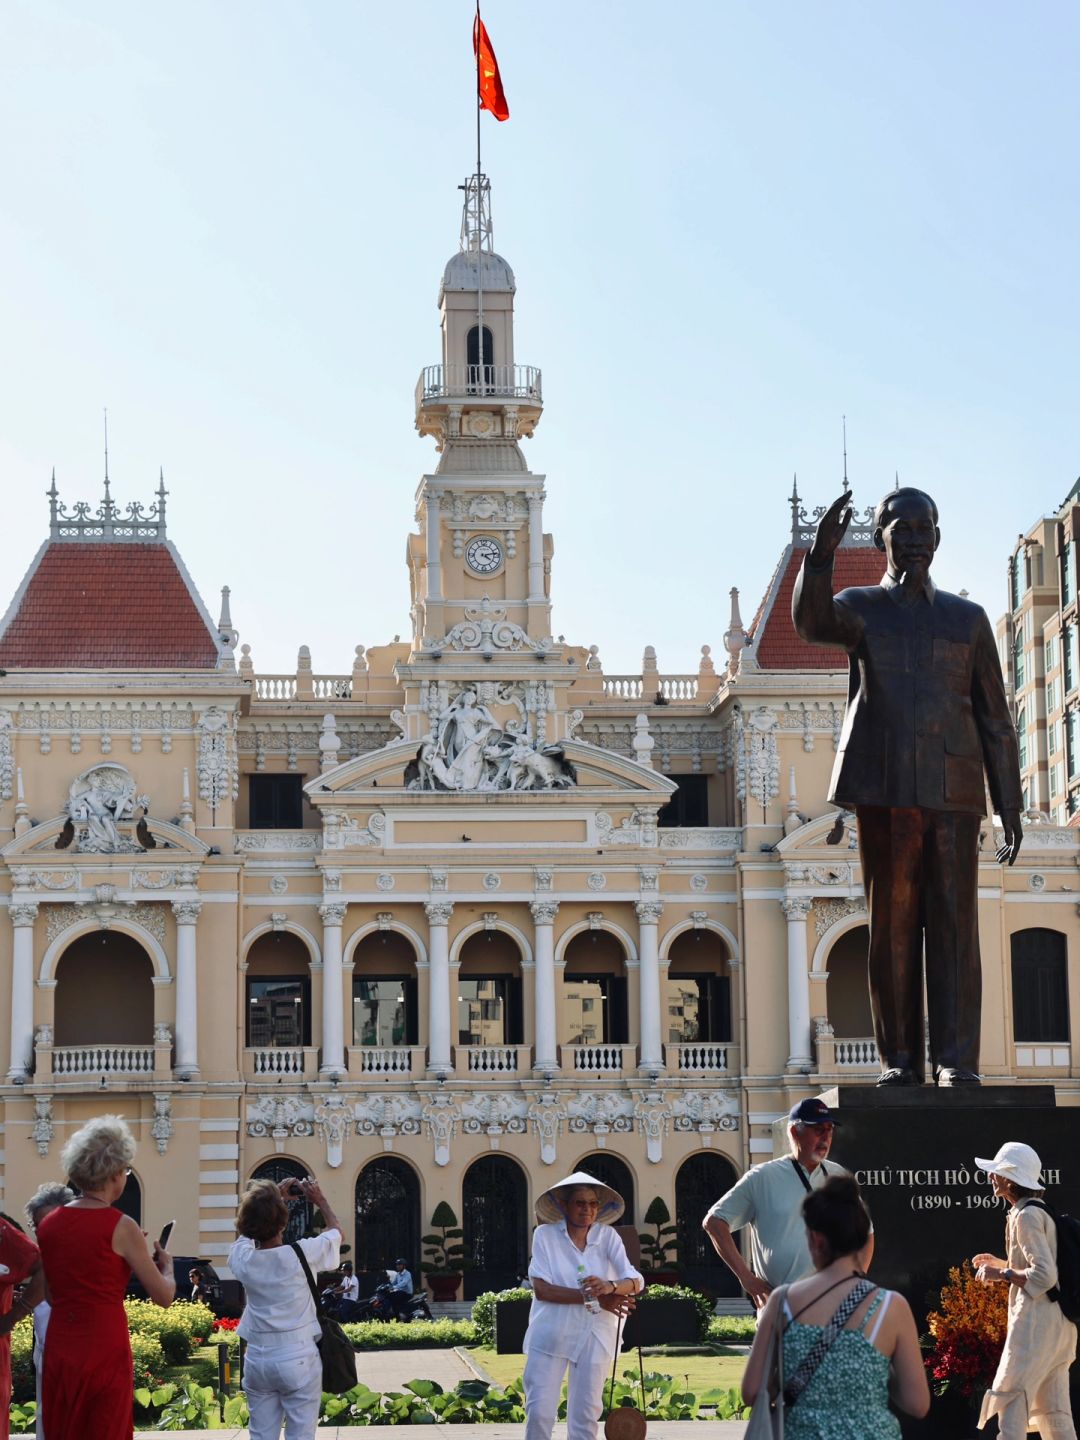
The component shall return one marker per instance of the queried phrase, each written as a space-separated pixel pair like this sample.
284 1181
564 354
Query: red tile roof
107 606
776 645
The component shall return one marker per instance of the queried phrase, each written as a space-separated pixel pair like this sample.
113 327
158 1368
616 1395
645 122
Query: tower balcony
508 397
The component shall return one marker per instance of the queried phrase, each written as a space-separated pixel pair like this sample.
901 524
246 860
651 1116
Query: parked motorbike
385 1305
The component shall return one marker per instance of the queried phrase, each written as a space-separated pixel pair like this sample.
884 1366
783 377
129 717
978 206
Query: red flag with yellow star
488 80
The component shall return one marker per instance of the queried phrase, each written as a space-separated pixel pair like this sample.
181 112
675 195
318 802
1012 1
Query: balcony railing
500 382
275 1060
597 1059
703 1057
103 1060
481 1060
856 1054
385 1060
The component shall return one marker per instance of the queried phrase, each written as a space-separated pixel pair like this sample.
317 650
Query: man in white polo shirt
768 1199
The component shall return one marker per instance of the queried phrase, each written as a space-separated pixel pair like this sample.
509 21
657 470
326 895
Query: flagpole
479 219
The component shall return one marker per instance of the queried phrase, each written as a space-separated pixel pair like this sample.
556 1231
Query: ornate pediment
40 843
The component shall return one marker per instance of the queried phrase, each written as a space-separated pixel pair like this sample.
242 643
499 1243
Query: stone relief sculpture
467 749
98 803
486 629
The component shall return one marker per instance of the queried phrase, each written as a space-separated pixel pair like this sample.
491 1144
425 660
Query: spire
54 496
843 421
476 231
796 507
161 493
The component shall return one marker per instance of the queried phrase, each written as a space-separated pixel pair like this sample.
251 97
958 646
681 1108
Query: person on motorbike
401 1288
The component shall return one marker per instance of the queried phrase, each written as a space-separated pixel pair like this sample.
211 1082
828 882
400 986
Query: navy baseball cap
812 1112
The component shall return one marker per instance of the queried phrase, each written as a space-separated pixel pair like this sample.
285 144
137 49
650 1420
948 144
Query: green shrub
146 1318
483 1312
148 1359
22 1360
732 1330
702 1303
417 1335
175 1345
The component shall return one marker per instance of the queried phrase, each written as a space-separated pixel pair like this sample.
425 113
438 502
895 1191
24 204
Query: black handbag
335 1347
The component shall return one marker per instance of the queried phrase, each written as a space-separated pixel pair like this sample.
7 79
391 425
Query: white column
333 1021
798 985
23 914
440 1000
187 988
544 913
536 547
652 1053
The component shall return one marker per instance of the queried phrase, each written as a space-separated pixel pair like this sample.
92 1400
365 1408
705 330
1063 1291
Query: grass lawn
700 1372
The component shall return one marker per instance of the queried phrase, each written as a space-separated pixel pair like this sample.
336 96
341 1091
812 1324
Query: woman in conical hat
582 1284
1031 1386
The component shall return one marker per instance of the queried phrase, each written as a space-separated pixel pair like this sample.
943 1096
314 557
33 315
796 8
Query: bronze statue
926 712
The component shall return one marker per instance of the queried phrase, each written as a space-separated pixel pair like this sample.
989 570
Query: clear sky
730 224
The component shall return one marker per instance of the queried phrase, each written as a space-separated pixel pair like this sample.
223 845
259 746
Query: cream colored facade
479 956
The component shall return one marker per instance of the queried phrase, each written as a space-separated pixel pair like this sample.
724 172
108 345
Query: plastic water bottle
592 1304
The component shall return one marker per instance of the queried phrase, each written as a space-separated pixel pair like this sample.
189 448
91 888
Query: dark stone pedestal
913 1150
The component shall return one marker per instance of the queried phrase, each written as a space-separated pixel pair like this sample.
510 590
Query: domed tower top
478 390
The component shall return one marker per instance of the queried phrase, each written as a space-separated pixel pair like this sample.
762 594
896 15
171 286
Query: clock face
484 554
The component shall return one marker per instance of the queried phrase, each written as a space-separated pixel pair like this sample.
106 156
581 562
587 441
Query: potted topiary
445 1255
659 1250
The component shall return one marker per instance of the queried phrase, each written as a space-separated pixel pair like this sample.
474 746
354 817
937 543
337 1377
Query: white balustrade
103 1060
492 1059
440 382
598 1058
679 687
702 1058
275 687
384 1060
332 687
277 1060
623 687
853 1053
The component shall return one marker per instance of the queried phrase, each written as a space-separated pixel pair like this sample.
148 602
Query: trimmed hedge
702 1303
146 1318
483 1312
414 1335
732 1330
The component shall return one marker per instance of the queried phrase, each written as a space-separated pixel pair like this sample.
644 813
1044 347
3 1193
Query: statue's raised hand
832 527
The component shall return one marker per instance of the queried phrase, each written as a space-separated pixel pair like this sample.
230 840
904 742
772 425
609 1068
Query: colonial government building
465 916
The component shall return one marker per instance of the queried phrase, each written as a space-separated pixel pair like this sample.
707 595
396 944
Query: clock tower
478 568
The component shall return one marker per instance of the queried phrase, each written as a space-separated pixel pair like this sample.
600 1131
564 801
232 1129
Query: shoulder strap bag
335 1347
767 1416
803 1375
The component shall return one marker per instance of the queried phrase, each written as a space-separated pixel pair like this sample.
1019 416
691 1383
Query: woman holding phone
90 1251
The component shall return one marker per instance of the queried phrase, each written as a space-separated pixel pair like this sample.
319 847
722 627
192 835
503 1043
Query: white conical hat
550 1212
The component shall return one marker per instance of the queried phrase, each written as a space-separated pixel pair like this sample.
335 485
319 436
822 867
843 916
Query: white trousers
283 1386
1013 1422
584 1398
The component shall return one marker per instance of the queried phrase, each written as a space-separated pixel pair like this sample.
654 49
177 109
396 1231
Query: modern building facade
465 916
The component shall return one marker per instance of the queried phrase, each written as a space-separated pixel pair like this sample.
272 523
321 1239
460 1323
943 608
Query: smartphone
166 1234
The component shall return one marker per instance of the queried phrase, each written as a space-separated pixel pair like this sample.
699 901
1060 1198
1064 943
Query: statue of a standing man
926 712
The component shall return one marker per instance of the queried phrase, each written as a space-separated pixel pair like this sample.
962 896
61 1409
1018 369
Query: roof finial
107 508
896 487
843 421
161 493
795 506
54 496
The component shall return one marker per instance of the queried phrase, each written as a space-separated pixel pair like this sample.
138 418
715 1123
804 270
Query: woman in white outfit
45 1199
576 1255
1031 1387
282 1367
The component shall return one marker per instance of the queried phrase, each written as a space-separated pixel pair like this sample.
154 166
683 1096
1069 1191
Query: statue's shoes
897 1075
947 1076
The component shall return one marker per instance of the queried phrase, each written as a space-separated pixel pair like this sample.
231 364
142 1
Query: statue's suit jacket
926 699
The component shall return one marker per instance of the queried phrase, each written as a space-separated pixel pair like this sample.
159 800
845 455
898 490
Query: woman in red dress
89 1250
19 1262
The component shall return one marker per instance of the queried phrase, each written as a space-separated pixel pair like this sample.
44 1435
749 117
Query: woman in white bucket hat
1031 1386
577 1259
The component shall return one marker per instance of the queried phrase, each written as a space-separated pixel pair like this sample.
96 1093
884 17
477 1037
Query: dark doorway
699 1184
478 380
495 1222
300 1212
130 1202
610 1170
387 1221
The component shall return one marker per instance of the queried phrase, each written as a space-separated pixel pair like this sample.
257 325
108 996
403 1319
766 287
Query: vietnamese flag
488 80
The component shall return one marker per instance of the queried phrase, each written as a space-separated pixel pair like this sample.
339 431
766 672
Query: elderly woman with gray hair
45 1199
90 1251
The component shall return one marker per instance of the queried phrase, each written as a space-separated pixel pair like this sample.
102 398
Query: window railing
856 1054
103 1060
276 1060
599 1059
381 1059
702 1057
491 1059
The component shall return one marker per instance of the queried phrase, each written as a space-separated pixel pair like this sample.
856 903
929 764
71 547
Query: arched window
472 355
387 1219
700 1182
384 991
495 1222
489 1006
594 990
104 992
300 1212
696 993
278 992
1040 987
610 1170
848 992
130 1202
